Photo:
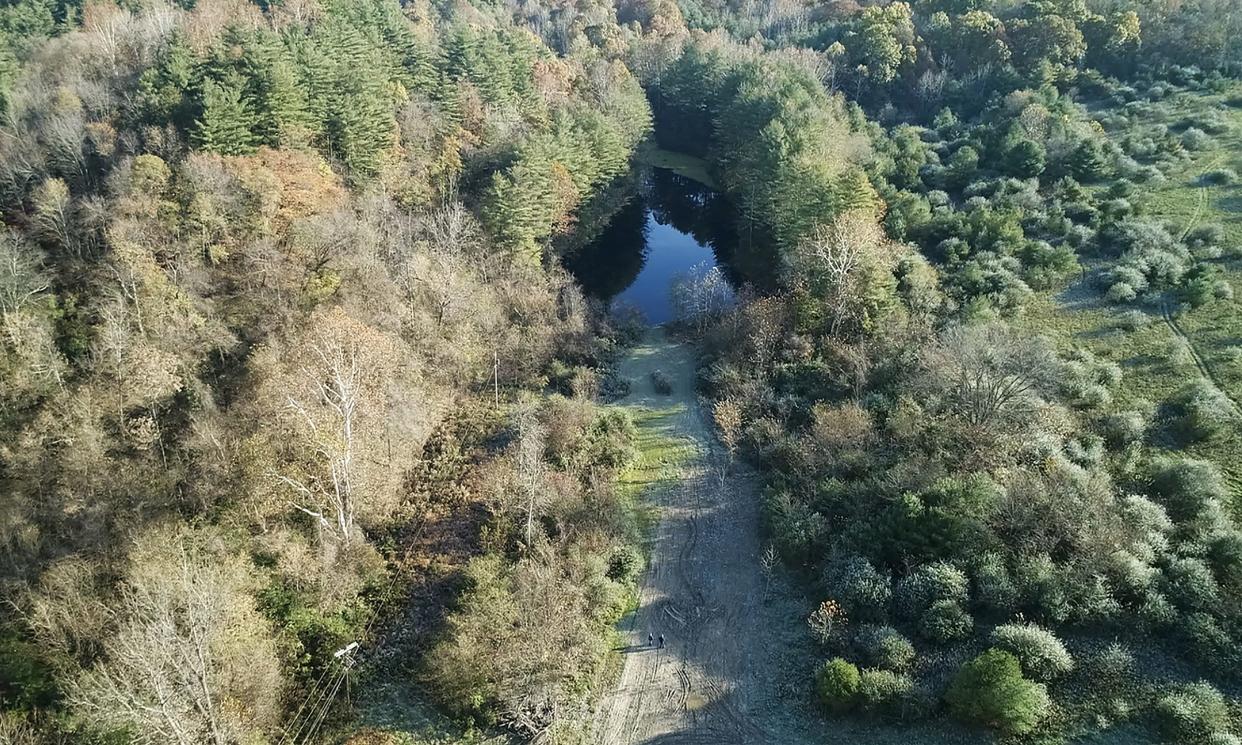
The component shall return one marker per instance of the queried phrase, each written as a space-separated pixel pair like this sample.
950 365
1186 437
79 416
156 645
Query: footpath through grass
1152 355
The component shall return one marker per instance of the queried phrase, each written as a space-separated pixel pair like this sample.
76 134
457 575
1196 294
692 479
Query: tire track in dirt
738 660
1204 368
704 570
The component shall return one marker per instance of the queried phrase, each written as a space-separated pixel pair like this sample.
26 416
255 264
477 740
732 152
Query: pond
672 227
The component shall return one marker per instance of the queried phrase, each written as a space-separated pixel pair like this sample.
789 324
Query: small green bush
661 383
837 684
884 692
921 588
946 621
863 590
1196 139
1220 177
991 691
883 647
1187 487
994 588
1202 411
1113 666
1193 714
1210 645
1124 428
1189 583
1040 653
624 564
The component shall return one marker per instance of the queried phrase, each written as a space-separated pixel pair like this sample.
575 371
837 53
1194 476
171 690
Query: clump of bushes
862 589
1202 411
1124 428
883 647
1187 487
929 583
1040 653
990 690
1219 177
1196 713
946 621
884 692
1196 139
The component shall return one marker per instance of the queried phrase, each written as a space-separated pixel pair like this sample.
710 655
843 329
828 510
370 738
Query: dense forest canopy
289 359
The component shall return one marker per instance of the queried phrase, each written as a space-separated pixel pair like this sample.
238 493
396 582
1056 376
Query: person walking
650 640
661 641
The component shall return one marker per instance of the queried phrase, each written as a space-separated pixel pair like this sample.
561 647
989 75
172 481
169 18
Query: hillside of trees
290 360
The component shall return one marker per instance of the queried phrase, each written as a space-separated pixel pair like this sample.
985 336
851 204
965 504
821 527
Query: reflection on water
672 225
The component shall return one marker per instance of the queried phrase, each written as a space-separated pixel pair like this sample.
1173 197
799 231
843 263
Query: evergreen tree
1087 162
282 114
163 87
227 120
1025 159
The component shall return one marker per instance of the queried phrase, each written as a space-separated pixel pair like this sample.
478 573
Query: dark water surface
672 227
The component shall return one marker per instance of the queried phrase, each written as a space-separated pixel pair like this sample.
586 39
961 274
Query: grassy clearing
679 163
1149 355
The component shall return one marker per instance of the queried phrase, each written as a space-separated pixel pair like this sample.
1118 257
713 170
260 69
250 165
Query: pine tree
1087 162
281 107
227 120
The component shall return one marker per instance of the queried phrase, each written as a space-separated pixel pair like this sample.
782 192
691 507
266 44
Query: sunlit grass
1146 354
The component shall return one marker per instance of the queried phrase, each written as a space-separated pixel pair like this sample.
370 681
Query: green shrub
885 692
883 647
1124 428
1210 645
1189 583
1113 666
1042 588
946 621
624 564
929 583
1040 653
837 684
1225 557
1187 487
1196 139
991 691
1202 411
863 590
1193 714
1133 320
994 589
661 383
1220 177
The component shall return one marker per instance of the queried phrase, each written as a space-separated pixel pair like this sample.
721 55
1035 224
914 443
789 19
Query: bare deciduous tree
343 366
990 372
190 659
701 296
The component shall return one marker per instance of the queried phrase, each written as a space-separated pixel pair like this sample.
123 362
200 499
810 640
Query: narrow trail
737 664
1204 369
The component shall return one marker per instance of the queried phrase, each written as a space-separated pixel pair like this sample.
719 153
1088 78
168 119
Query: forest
311 433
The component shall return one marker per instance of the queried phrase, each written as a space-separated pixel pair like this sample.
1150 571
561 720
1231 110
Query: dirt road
702 589
738 661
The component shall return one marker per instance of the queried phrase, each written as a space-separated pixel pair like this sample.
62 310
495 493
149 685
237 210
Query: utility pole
496 376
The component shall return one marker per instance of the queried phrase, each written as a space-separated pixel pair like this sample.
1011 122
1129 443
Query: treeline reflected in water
612 263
